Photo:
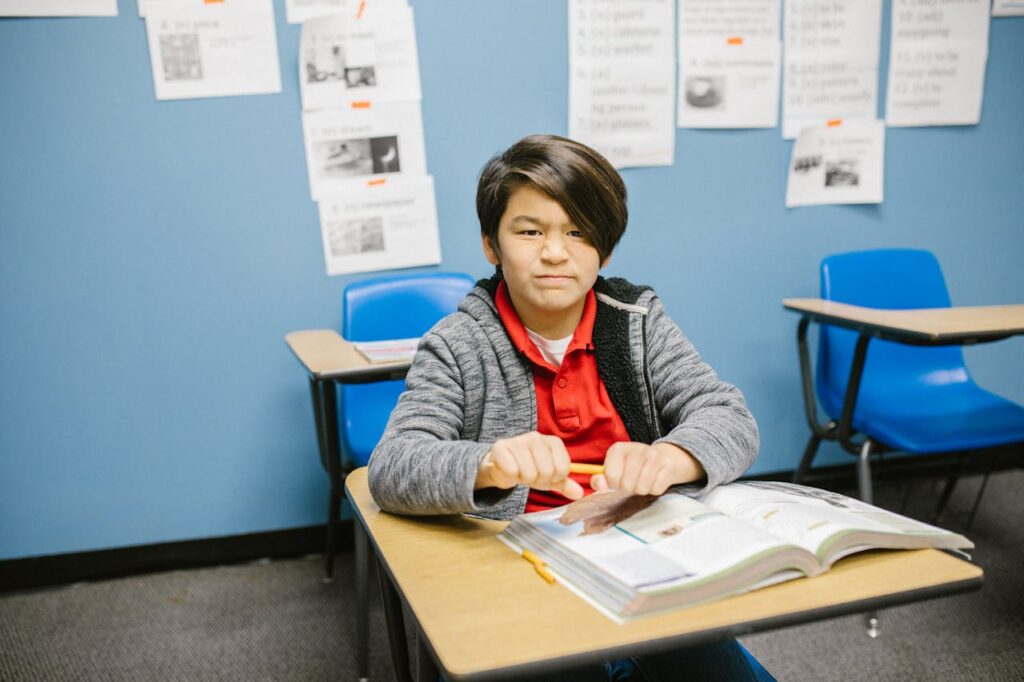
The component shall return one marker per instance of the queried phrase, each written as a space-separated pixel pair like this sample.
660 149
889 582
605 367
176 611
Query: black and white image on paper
180 56
358 156
805 164
362 235
842 173
325 63
705 92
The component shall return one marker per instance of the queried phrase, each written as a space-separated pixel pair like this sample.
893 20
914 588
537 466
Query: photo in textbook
631 555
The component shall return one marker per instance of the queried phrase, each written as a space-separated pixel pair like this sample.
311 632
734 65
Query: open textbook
632 555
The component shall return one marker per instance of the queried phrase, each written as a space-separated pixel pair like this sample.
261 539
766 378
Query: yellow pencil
575 468
592 469
539 566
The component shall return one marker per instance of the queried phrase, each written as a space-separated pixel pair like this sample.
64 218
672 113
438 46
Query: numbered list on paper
621 75
831 63
937 62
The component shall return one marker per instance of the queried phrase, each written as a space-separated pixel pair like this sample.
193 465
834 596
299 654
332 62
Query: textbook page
676 551
362 144
831 64
212 50
392 224
621 75
842 163
344 60
58 8
815 519
937 62
730 56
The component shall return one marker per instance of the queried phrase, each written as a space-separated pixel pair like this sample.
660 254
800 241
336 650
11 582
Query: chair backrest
890 279
392 307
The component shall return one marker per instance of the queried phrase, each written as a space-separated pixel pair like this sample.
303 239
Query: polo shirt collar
581 338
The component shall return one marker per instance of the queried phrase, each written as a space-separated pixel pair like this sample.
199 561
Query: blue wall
154 254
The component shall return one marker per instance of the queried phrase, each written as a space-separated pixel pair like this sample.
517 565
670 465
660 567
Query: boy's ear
489 252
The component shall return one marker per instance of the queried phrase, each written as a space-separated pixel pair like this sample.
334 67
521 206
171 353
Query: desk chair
392 307
911 398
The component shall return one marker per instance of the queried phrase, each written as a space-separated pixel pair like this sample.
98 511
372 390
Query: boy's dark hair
582 181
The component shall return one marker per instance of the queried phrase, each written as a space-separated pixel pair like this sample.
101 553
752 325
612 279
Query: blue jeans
723 660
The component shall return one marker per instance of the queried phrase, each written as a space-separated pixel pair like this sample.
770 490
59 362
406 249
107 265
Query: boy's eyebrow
536 221
530 219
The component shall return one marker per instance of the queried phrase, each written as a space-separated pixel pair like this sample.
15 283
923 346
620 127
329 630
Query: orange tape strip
734 40
213 2
835 123
362 6
378 181
363 104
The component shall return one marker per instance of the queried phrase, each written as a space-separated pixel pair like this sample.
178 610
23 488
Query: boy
547 363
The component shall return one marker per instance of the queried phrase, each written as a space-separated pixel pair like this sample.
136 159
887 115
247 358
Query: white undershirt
553 351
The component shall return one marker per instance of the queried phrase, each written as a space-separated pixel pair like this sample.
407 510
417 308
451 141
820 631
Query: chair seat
959 416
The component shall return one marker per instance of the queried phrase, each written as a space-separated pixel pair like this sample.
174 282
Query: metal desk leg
362 602
426 670
325 413
395 624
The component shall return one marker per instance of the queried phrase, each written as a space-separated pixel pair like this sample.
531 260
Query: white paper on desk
389 225
750 19
58 8
729 83
213 50
841 164
362 144
937 62
831 63
1008 8
621 79
343 59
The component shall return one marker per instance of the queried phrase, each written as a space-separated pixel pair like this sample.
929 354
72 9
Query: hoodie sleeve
699 412
421 466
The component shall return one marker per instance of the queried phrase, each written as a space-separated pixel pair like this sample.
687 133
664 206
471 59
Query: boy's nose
554 250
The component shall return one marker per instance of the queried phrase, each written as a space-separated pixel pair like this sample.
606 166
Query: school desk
962 325
330 359
481 612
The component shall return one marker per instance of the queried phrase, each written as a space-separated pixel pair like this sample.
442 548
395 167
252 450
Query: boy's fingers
662 483
571 489
598 482
613 466
647 478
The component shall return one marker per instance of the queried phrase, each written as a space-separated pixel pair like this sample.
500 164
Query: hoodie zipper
651 417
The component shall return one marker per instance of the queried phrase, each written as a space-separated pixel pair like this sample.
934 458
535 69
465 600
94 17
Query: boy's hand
644 469
533 459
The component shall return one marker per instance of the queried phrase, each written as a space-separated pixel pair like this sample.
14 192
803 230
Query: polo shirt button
562 382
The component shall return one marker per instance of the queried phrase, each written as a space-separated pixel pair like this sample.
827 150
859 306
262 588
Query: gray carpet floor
277 620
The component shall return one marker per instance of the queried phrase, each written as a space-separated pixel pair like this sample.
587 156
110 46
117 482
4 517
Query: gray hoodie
469 386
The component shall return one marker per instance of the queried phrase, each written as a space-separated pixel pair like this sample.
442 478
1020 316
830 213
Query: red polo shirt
572 402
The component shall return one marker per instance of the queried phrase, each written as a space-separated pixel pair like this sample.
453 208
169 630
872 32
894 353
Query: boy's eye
576 234
529 233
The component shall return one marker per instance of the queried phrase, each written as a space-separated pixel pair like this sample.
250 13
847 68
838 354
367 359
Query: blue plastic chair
912 398
394 307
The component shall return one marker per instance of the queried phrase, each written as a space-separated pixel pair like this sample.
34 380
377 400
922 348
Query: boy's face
547 264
